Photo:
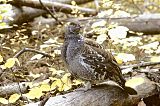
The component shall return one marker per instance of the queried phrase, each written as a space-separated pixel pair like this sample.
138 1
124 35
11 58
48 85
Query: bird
87 60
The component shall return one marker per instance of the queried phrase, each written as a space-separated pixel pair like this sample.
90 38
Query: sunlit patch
134 82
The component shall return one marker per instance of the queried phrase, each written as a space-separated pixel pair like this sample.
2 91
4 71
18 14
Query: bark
146 23
66 8
69 1
104 95
12 88
21 15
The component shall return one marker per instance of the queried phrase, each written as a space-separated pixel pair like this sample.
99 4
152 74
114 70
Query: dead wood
145 23
66 8
69 1
19 87
23 14
104 95
31 50
12 88
134 66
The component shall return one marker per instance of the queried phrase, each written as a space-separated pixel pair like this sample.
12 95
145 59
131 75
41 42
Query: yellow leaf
10 63
126 57
13 98
155 59
66 87
134 82
1 58
45 87
65 77
3 101
98 24
119 61
63 84
73 3
66 82
34 93
58 83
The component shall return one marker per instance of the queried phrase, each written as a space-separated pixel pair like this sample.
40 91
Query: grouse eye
75 25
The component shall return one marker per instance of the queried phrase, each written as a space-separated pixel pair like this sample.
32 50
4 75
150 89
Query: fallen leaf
133 82
3 101
118 32
10 63
13 98
45 87
34 93
155 59
125 57
98 24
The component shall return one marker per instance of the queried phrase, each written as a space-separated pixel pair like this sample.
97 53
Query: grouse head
72 30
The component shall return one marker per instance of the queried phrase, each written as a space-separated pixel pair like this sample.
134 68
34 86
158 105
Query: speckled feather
87 60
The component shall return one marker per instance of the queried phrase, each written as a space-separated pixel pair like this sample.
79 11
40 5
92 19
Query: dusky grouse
88 61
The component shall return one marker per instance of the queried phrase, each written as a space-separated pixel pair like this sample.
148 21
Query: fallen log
12 88
21 15
59 7
69 1
104 95
145 23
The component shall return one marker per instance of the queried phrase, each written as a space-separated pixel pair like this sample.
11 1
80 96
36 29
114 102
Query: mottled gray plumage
87 60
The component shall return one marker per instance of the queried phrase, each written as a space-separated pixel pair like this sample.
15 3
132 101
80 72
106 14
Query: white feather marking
86 66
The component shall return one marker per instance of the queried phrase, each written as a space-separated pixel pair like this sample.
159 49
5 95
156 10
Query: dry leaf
34 93
37 57
3 101
101 38
155 59
99 24
118 32
125 57
10 63
45 87
134 82
13 98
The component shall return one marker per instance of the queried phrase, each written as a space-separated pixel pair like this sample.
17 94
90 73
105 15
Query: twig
18 83
47 9
140 65
31 50
137 7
